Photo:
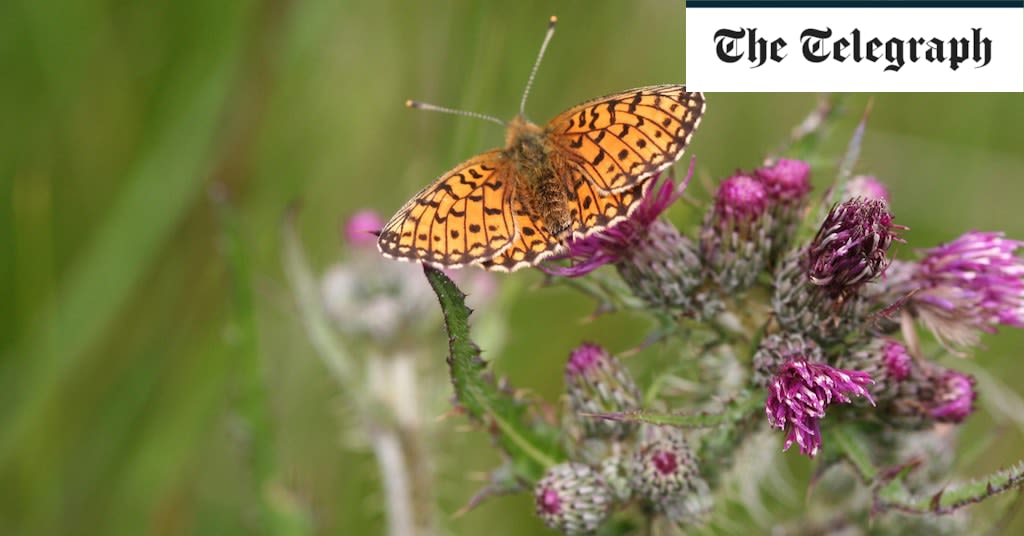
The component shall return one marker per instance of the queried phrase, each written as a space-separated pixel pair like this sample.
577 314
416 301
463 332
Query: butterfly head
521 131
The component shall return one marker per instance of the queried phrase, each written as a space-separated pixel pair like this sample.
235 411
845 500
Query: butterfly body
537 169
582 172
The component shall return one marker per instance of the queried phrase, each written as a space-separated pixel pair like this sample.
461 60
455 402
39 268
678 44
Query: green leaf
531 447
854 449
890 493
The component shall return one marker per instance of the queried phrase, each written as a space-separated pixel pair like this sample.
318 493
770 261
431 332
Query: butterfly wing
531 243
597 210
620 140
465 216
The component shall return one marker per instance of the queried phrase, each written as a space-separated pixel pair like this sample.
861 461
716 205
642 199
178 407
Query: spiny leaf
893 496
532 448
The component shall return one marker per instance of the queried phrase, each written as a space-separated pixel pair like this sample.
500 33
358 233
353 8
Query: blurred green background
130 345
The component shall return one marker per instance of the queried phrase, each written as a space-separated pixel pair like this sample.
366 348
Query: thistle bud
802 307
573 499
664 270
931 394
887 361
597 382
787 183
662 465
734 238
850 247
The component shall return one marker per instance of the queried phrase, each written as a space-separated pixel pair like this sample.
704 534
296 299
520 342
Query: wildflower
969 286
787 183
660 265
896 360
663 471
867 187
955 396
778 349
573 499
803 307
597 382
734 239
887 361
799 394
930 394
850 247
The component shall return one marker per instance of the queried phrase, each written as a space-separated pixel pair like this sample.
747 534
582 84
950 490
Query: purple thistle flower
787 181
734 239
799 394
968 286
583 359
887 362
740 199
955 396
866 186
896 360
930 393
850 247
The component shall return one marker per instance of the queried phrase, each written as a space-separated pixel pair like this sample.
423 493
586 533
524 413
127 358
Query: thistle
598 383
573 498
788 183
801 391
735 241
661 266
968 287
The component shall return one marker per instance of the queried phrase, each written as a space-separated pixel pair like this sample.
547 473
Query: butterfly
582 172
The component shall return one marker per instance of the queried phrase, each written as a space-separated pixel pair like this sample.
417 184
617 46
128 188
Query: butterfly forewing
621 139
462 217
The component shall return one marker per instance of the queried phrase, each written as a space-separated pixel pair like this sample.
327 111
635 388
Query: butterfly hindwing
621 139
464 216
599 210
531 243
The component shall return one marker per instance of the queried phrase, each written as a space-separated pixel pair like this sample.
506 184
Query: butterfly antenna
544 46
434 108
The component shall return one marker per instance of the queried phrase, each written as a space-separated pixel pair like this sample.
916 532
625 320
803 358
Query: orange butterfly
581 173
